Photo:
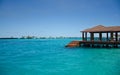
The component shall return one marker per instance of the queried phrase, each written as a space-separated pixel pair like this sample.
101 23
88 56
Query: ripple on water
50 57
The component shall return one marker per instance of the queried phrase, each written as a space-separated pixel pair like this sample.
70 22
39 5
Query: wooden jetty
73 44
112 38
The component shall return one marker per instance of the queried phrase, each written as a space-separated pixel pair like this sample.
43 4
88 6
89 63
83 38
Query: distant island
34 37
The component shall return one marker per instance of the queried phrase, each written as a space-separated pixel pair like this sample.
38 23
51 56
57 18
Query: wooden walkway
93 44
73 44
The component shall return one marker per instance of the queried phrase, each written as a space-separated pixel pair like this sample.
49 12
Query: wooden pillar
83 36
92 36
116 36
107 37
111 36
100 36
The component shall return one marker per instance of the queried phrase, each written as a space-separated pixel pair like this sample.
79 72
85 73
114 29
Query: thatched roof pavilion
112 30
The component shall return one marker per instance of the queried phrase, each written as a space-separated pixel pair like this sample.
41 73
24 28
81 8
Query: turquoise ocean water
50 57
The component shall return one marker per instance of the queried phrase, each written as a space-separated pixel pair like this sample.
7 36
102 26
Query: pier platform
106 44
73 44
111 37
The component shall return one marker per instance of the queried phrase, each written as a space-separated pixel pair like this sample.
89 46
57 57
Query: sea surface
50 57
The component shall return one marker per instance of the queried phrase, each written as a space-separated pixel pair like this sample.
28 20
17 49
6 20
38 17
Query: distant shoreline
44 38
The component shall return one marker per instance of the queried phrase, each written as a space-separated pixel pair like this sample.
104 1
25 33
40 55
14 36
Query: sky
55 17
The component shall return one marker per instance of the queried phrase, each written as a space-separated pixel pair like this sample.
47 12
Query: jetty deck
73 44
94 44
111 36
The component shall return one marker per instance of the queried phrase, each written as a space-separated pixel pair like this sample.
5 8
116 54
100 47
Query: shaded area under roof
101 28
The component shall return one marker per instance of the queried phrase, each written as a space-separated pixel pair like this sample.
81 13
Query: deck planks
93 43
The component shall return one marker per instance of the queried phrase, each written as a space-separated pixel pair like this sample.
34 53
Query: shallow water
50 57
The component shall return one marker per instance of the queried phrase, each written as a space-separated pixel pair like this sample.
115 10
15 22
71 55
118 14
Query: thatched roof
101 28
